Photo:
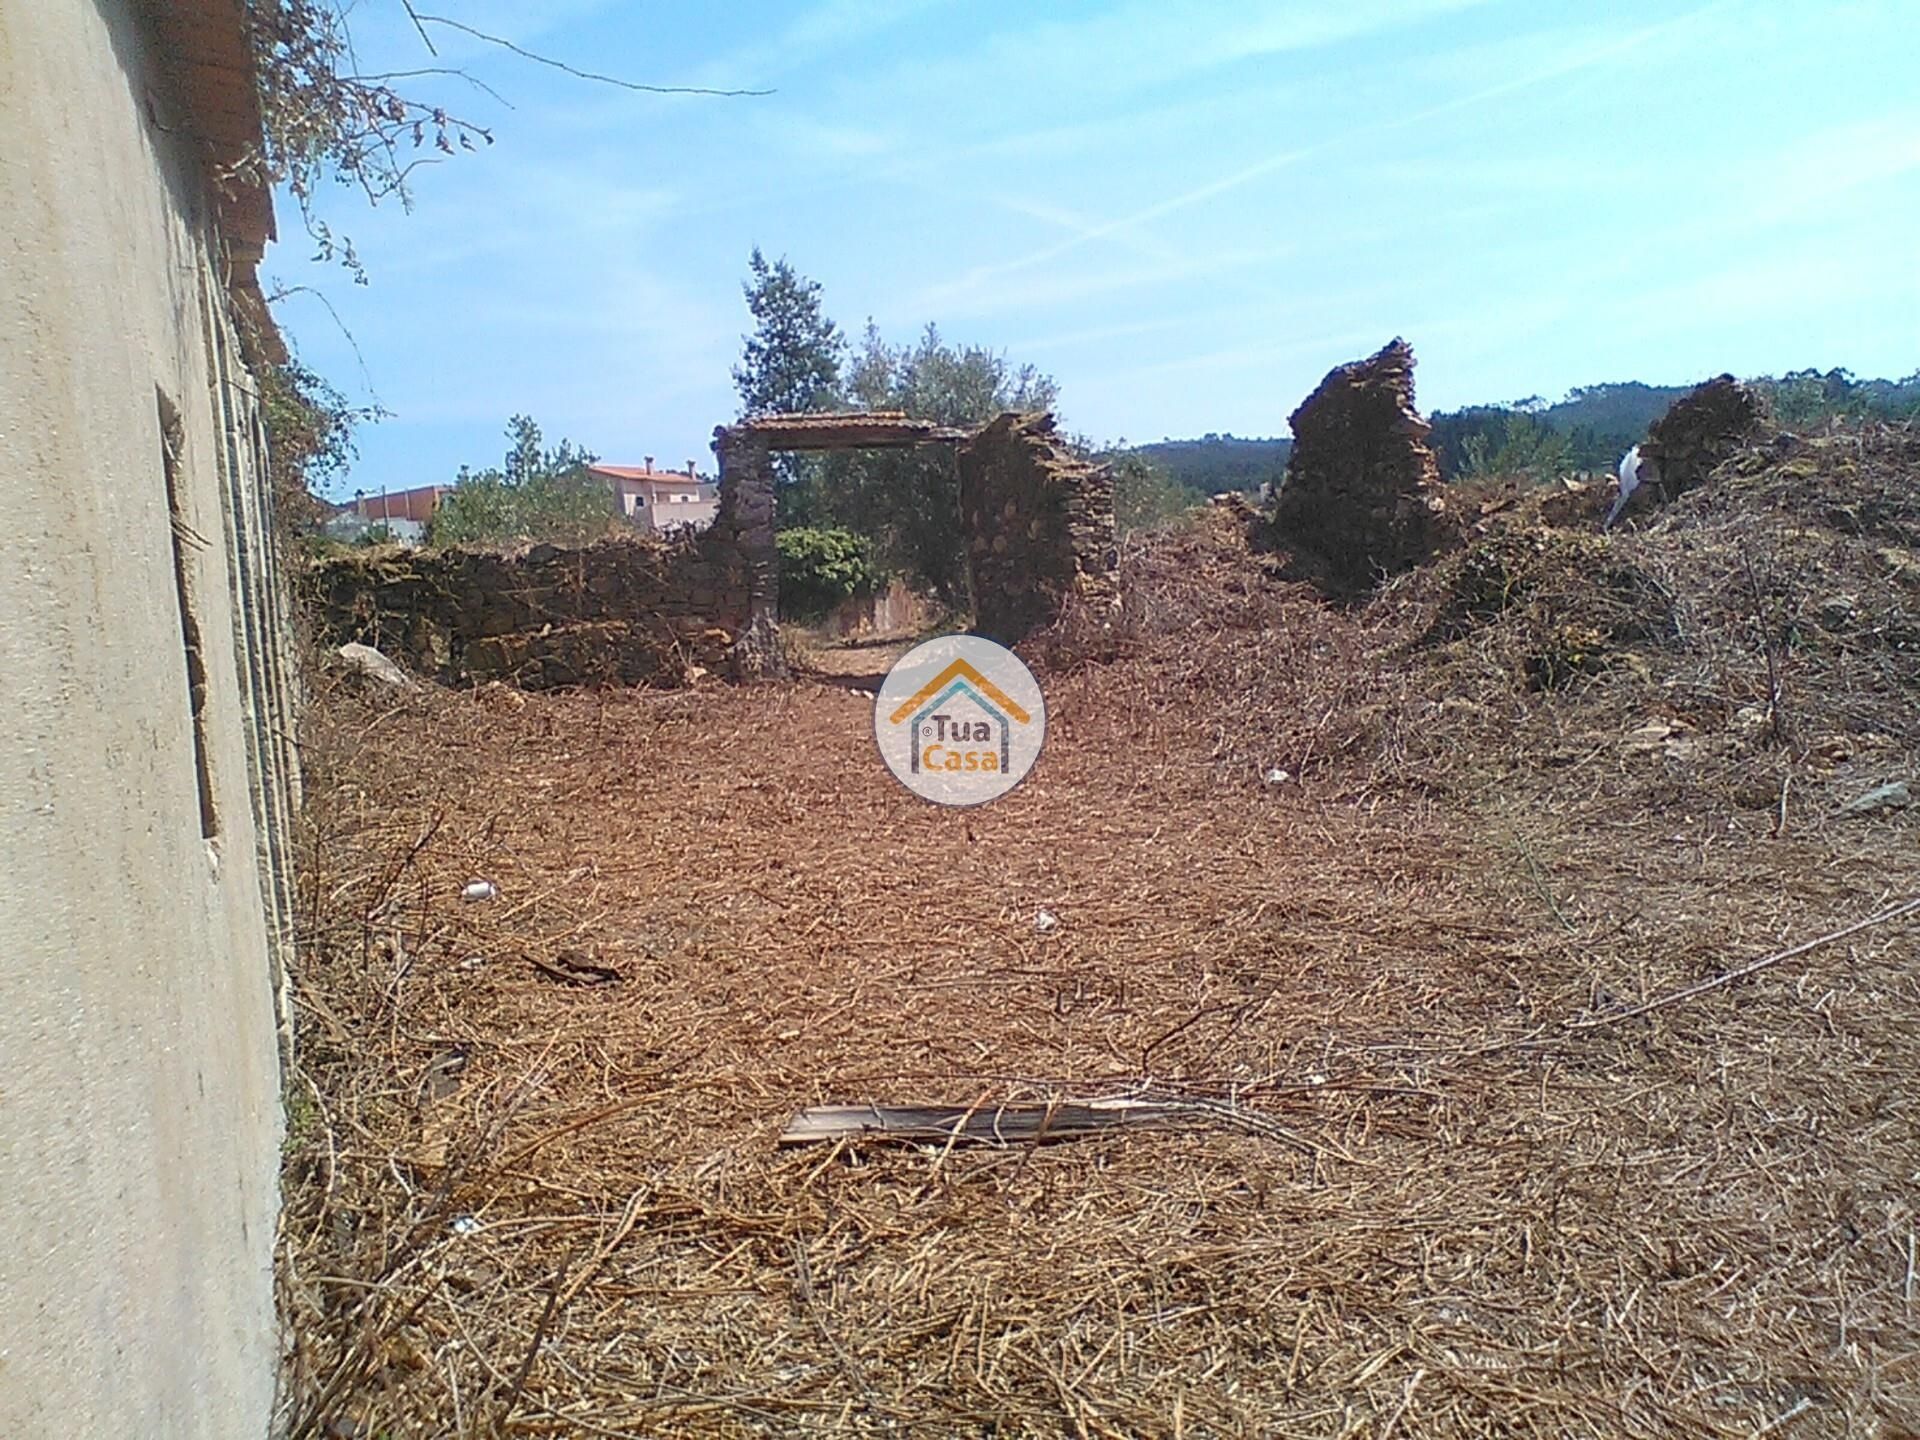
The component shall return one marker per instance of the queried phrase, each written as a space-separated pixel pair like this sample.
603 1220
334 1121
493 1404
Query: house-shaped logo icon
962 688
959 720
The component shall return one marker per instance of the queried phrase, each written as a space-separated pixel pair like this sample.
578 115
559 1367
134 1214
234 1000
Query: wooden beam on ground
982 1124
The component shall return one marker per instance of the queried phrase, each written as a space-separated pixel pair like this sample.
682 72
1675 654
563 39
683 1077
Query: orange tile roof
415 504
639 472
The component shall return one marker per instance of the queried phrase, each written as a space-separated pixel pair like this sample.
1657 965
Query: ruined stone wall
1363 493
745 530
1039 527
627 610
1700 429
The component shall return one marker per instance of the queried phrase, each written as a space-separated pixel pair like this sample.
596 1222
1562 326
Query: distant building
661 500
404 513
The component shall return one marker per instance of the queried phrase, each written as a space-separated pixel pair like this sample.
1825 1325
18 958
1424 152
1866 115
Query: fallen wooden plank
981 1124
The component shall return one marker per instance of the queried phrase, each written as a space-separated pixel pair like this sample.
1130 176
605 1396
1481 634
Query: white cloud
1817 169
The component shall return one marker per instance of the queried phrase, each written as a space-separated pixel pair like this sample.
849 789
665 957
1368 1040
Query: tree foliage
309 439
821 568
907 502
791 361
535 493
1805 398
322 119
904 503
1216 462
1594 425
1596 422
1522 446
1144 495
325 118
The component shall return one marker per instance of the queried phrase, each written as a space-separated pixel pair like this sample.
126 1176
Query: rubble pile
1700 431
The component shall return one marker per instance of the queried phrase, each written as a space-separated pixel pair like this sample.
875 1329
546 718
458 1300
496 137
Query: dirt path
556 1113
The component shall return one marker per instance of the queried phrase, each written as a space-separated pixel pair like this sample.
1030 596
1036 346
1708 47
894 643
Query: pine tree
792 359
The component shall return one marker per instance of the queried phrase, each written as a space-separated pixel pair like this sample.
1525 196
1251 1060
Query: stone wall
1700 430
627 610
1363 495
1039 530
1039 527
745 533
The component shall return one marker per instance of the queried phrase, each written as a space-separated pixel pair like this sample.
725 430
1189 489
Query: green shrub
535 494
820 568
1145 496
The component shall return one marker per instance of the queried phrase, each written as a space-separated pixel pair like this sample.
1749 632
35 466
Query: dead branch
578 74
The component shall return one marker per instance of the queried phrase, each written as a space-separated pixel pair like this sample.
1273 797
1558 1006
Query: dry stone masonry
746 450
629 610
1700 430
1039 527
1363 494
1039 530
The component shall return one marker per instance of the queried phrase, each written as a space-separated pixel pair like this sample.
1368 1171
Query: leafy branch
323 117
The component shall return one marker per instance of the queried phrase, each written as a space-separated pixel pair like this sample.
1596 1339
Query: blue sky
1185 212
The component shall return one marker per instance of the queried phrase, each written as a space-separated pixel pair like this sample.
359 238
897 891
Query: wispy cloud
1040 343
1281 159
818 32
1815 170
1188 209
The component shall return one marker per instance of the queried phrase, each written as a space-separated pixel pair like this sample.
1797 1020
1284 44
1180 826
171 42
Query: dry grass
1484 1199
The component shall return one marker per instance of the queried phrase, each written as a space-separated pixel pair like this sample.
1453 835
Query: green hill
1588 430
1596 422
1214 463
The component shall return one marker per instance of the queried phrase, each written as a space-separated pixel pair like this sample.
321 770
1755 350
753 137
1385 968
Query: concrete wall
144 894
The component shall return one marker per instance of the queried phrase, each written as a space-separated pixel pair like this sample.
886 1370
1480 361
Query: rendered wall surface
144 795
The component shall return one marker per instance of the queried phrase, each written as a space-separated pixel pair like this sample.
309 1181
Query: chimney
649 463
689 470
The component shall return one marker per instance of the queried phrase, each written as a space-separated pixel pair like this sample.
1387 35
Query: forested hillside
1588 430
1214 463
1594 424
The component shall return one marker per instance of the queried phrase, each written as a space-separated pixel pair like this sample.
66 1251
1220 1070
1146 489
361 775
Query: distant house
661 500
404 513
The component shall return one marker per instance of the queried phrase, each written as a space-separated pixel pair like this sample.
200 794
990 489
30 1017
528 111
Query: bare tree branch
283 291
425 39
506 44
477 83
